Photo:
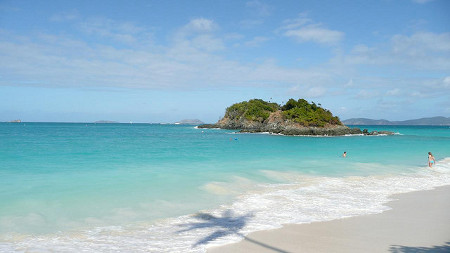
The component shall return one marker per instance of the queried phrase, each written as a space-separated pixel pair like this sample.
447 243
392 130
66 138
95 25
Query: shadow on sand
226 224
406 249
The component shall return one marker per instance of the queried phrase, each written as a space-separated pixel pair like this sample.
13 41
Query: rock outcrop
277 123
290 129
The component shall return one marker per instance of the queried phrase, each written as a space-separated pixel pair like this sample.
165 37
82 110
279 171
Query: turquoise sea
70 187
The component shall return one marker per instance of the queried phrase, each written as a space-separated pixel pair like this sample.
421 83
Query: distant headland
105 122
433 121
189 122
296 117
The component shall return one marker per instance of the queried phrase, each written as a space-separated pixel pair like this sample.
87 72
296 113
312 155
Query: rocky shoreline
305 131
294 118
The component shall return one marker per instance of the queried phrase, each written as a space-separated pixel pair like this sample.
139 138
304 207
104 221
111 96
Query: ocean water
175 188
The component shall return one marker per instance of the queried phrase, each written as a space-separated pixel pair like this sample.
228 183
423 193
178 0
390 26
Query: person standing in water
431 160
345 154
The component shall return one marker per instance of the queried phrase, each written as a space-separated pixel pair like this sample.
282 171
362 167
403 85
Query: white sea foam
305 199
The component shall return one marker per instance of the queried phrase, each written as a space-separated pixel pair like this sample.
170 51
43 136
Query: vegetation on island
308 114
296 117
254 110
299 111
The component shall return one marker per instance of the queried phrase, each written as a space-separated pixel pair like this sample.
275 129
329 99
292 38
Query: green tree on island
308 114
299 111
254 110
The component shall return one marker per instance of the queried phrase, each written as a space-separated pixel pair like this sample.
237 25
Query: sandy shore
417 222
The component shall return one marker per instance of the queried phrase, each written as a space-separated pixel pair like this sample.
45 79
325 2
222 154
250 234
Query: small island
189 122
296 117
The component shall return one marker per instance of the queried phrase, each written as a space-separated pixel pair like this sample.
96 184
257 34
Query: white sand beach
417 222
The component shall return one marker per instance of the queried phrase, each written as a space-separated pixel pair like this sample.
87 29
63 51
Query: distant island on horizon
432 121
105 122
189 122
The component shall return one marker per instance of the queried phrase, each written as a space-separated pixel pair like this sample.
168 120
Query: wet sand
418 222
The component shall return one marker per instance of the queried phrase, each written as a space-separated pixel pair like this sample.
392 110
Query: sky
164 61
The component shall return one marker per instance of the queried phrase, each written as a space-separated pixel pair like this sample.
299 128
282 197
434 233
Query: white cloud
196 36
189 63
423 51
315 34
417 94
121 32
258 11
349 83
295 23
201 25
419 44
437 85
256 41
315 92
304 29
393 92
65 16
366 94
306 91
261 9
342 108
208 43
391 105
446 81
196 58
361 49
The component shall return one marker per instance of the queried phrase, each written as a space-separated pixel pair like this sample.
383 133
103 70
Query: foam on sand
417 222
305 199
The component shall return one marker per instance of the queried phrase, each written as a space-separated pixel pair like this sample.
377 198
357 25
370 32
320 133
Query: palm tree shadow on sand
227 224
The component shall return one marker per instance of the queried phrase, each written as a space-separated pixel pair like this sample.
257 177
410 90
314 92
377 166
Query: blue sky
163 61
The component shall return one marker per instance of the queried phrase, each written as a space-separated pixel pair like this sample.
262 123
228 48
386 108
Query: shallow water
171 188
